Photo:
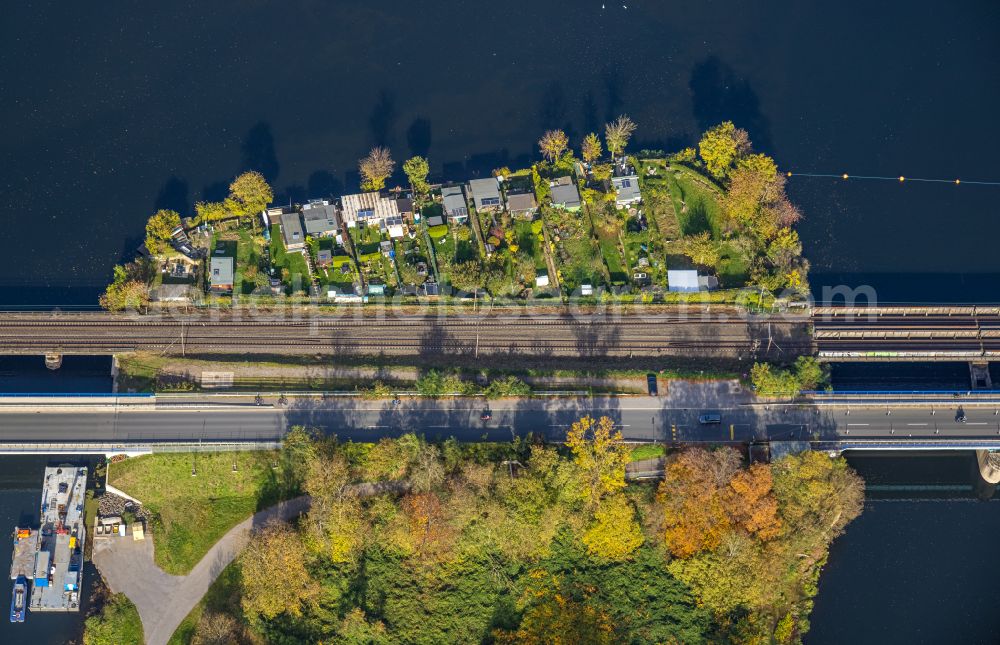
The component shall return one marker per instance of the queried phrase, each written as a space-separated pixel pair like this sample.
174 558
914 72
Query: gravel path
164 600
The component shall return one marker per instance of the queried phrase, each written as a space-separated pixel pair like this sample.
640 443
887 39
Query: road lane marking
976 423
917 424
858 424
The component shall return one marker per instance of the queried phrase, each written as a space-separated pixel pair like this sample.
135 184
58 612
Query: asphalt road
640 418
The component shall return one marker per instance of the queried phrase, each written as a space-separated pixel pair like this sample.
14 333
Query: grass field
190 513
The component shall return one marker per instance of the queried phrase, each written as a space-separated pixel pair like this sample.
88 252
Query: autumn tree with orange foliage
751 503
706 495
694 505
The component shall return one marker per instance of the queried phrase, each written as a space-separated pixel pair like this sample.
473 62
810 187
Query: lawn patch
191 513
647 451
291 266
696 202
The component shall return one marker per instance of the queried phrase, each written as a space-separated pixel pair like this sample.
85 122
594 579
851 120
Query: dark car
651 384
710 419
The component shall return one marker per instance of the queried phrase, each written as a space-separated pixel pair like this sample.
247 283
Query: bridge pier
979 372
989 465
53 361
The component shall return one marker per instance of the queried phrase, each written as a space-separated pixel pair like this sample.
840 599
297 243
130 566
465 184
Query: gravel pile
111 504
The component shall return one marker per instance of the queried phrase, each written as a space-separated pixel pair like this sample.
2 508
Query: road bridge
953 333
189 423
193 419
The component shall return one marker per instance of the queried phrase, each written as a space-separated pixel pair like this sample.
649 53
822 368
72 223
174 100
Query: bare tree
618 133
376 168
553 144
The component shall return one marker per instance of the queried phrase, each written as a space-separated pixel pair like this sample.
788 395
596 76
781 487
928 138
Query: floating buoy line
900 179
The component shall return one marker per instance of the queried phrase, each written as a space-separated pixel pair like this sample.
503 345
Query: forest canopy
410 541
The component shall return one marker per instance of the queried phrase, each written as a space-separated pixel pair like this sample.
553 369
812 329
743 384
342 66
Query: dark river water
114 109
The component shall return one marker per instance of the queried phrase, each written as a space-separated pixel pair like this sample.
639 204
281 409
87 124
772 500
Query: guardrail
72 395
907 444
833 393
50 447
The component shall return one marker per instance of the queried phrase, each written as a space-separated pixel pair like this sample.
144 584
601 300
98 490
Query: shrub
507 386
437 232
434 383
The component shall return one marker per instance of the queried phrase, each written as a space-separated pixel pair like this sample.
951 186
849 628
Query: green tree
376 168
771 381
555 618
125 292
591 149
602 172
356 629
335 525
756 192
249 194
618 133
542 189
817 497
378 390
467 276
436 383
117 624
507 386
417 169
810 373
390 459
210 211
785 249
158 229
553 144
721 146
701 249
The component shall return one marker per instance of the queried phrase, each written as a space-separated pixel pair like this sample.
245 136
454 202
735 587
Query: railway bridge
924 333
918 333
712 333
